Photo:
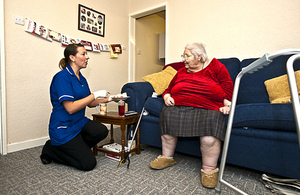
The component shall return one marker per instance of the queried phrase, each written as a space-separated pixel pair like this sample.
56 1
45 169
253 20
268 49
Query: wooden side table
113 118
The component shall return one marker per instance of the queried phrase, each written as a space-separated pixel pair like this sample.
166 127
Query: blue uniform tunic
66 86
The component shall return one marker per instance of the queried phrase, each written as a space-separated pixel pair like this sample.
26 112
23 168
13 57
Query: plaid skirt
183 121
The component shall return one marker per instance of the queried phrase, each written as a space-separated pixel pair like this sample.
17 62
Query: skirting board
14 147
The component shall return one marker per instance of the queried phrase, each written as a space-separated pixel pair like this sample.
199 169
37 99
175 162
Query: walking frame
252 68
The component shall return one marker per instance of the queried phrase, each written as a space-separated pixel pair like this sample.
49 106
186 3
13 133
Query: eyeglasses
185 57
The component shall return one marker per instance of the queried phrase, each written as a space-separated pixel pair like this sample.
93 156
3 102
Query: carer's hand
169 101
101 94
225 110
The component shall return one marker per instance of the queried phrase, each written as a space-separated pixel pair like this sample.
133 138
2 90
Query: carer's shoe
162 162
209 180
45 160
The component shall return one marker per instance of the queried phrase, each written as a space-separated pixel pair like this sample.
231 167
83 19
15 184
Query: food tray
120 98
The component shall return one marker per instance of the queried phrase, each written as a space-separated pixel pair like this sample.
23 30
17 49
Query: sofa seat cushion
265 116
282 136
154 105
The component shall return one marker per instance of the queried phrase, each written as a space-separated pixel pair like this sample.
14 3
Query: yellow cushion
161 80
279 90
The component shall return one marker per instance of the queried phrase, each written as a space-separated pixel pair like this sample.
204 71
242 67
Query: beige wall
32 61
238 28
147 31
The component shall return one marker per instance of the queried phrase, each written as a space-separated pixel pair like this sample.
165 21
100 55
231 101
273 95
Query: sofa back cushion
232 65
252 88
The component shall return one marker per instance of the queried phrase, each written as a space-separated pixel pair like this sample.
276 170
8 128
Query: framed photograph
116 48
91 21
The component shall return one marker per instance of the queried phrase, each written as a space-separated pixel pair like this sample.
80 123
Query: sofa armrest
138 92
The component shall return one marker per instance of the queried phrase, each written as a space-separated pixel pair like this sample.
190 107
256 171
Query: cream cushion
161 80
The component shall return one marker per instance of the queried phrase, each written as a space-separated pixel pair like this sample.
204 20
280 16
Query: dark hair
71 49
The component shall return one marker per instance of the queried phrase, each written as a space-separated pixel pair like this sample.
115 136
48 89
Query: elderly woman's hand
169 101
225 110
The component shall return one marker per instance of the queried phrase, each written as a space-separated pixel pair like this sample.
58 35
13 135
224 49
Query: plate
120 98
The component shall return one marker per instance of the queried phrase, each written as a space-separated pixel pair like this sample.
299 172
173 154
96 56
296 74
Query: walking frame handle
266 59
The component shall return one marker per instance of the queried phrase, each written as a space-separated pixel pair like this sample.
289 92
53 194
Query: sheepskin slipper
209 180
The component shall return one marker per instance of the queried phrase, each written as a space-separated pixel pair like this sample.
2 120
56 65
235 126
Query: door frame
3 137
132 22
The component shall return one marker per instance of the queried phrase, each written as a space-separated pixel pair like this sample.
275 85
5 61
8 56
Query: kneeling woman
196 101
72 135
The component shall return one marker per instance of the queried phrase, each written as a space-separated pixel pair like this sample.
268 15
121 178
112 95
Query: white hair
197 49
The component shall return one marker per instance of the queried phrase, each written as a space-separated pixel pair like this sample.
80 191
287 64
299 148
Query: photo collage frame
91 21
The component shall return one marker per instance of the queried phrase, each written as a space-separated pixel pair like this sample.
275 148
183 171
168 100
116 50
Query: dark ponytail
63 63
71 49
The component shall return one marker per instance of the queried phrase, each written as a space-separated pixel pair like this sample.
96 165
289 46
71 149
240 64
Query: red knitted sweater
204 89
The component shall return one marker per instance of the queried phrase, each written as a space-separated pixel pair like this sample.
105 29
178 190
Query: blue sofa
263 137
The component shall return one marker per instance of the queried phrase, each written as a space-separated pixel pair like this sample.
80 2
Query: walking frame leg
296 108
294 91
227 139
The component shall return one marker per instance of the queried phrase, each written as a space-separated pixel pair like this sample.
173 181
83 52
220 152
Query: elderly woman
196 101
